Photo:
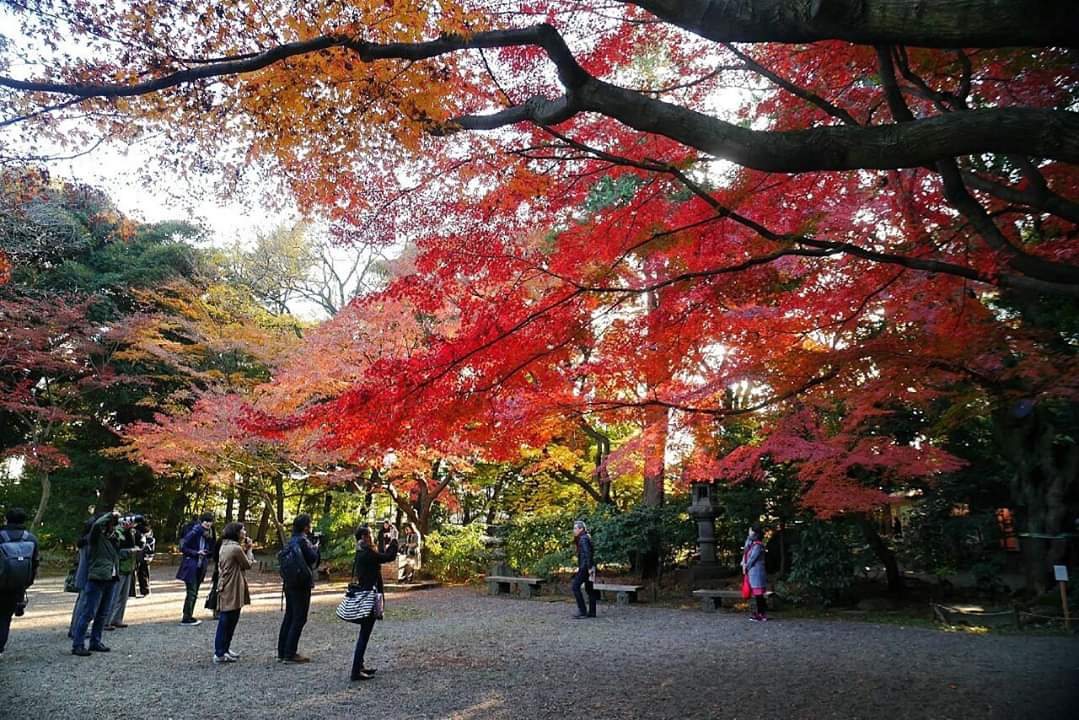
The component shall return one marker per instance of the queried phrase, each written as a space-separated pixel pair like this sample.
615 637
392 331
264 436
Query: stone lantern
704 510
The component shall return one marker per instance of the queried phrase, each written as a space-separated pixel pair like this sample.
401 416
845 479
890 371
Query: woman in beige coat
233 563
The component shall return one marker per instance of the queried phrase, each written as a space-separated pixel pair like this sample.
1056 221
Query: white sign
1061 572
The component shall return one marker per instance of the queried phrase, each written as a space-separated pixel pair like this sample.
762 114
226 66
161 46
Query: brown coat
232 564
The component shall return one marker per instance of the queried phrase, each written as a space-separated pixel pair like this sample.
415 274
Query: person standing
298 595
196 547
586 571
81 571
366 575
103 570
753 567
19 554
142 569
233 561
128 559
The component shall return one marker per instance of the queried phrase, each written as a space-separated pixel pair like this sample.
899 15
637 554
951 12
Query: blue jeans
297 603
226 626
366 626
96 607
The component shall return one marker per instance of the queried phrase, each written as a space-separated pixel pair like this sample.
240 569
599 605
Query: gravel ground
456 653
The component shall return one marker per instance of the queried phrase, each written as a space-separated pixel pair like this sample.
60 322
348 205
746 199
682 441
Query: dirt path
457 653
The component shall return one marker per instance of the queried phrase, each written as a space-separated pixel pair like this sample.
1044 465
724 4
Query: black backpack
294 570
16 561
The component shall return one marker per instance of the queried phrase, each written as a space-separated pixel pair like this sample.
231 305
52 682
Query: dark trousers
762 605
226 626
96 607
193 593
142 575
8 600
366 626
297 603
579 580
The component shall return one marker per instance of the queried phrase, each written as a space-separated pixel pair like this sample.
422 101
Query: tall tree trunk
230 501
1044 485
884 553
327 503
243 501
279 496
46 491
264 523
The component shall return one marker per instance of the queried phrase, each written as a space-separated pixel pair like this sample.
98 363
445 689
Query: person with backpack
586 572
19 561
753 568
297 562
366 575
233 561
103 571
196 547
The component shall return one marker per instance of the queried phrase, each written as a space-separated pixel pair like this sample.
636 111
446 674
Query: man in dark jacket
586 571
12 599
297 598
196 548
103 564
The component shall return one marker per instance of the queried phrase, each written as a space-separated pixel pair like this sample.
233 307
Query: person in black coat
13 599
367 576
586 572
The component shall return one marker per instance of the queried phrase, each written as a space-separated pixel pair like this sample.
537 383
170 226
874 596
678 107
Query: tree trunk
1044 484
242 513
230 501
327 503
264 523
279 495
884 553
46 491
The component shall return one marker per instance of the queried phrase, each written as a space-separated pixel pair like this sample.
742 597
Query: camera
132 520
316 537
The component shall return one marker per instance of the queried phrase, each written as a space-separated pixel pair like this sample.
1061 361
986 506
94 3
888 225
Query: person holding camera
298 594
103 571
128 559
145 533
366 575
20 569
233 561
196 546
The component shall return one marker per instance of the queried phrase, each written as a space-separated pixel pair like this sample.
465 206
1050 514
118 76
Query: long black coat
365 570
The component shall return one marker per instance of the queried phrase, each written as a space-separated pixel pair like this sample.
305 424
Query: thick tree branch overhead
918 23
1033 132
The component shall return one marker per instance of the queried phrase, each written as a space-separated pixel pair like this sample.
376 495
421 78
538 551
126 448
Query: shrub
455 552
823 567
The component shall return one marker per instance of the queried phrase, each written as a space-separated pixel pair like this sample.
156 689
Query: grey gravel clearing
456 653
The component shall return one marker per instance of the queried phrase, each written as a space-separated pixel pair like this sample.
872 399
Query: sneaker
110 628
297 659
226 658
80 651
119 625
364 674
579 616
233 655
763 618
755 617
190 622
100 648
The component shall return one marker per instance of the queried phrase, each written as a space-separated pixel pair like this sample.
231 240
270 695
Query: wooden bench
712 600
503 585
624 594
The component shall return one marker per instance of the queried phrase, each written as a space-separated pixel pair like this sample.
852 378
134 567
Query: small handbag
747 591
69 582
358 605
